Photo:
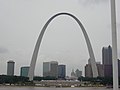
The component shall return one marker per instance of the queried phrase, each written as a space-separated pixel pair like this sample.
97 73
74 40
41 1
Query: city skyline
106 60
24 69
17 45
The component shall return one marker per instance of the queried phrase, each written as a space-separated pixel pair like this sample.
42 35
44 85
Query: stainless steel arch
35 53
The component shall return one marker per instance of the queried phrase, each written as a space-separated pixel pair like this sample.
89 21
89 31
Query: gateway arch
35 53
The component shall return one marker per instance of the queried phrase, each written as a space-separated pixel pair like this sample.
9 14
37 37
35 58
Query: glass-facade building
24 71
61 71
107 55
50 69
107 61
46 69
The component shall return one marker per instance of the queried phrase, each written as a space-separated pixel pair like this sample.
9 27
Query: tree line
20 80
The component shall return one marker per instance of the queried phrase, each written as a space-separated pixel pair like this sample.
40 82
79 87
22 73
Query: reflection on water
45 88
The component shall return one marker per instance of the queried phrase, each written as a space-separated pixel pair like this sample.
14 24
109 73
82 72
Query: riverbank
52 88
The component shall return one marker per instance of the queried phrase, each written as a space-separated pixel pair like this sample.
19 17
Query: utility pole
114 45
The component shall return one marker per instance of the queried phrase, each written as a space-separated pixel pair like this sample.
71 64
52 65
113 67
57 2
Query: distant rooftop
11 61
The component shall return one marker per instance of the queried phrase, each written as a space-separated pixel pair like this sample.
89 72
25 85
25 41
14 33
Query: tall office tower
54 69
10 68
46 69
24 71
78 73
107 55
107 61
50 69
61 71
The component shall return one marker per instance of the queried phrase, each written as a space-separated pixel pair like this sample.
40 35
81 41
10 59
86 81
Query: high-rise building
61 71
54 69
10 68
107 61
107 55
78 73
88 69
50 69
24 71
46 69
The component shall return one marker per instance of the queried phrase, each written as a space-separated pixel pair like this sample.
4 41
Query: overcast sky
22 20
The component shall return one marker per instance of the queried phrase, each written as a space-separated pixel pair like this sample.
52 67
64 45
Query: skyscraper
107 61
54 69
107 55
61 71
10 68
46 69
24 71
50 69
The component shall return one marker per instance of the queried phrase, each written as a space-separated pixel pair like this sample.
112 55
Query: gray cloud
3 50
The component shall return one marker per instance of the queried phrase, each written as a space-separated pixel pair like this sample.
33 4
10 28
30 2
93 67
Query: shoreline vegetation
18 81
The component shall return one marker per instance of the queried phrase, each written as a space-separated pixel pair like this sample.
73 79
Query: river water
45 88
